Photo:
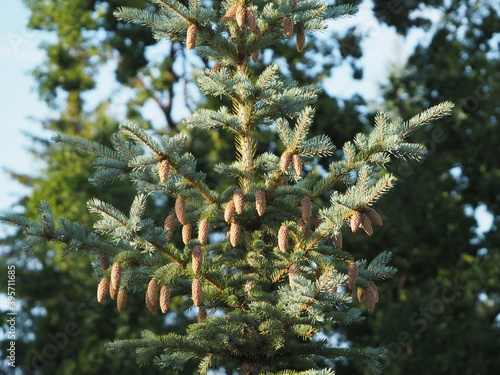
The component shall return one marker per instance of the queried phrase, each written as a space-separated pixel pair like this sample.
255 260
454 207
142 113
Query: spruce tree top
279 275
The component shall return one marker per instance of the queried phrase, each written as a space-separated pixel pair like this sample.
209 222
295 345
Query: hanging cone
197 259
374 216
164 298
306 206
283 234
240 16
285 161
352 276
163 171
234 234
230 14
180 210
102 289
260 202
297 164
366 224
300 39
293 272
239 201
229 212
196 292
152 296
302 226
371 296
337 240
374 290
121 300
187 230
203 231
103 261
355 221
288 26
251 22
169 225
114 285
191 36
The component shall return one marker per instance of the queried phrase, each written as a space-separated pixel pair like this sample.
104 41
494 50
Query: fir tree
280 275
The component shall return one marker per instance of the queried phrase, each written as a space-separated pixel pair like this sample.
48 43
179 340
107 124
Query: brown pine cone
103 261
297 164
169 225
163 171
283 234
196 292
121 301
293 272
240 15
234 234
152 296
239 201
186 233
361 294
306 206
374 216
197 259
102 289
229 212
352 276
202 315
285 161
180 210
203 231
366 224
371 296
251 22
300 39
164 298
260 202
288 26
230 14
114 285
191 36
355 221
255 56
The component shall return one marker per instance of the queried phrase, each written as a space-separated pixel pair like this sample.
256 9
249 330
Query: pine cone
163 171
352 276
288 26
374 216
152 296
374 290
116 275
366 224
197 259
169 225
196 292
371 296
240 15
286 159
102 289
164 298
191 36
306 206
186 233
255 56
180 210
283 234
260 202
104 261
230 14
337 240
203 231
361 294
202 315
239 201
293 271
229 212
234 234
302 225
251 22
300 39
297 164
355 221
121 301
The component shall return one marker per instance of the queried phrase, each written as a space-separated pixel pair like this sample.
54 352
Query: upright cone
191 36
203 231
239 201
197 259
197 292
283 234
180 210
163 171
260 202
187 231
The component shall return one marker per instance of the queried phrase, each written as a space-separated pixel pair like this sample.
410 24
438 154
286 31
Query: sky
21 107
